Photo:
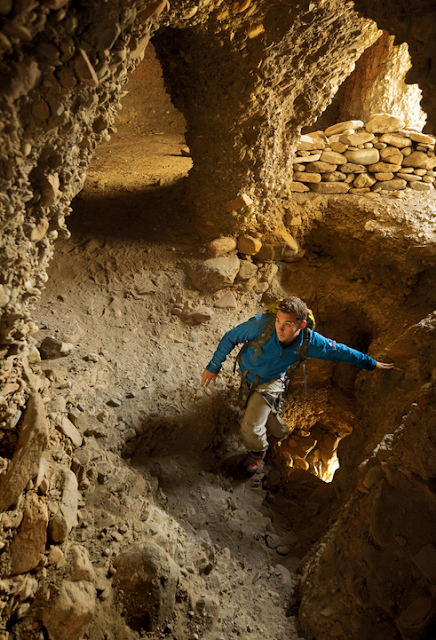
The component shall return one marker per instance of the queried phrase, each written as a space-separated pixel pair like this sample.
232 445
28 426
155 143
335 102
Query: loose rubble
356 158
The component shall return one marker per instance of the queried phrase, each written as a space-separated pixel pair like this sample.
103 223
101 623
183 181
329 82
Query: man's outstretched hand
382 366
207 378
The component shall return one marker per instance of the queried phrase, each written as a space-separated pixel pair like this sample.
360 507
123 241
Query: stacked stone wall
378 158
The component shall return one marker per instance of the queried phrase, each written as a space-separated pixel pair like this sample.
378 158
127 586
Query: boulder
419 160
28 546
384 167
66 517
152 10
69 611
283 248
37 234
330 187
334 176
331 157
363 156
107 35
364 180
384 123
215 273
392 155
199 315
413 622
351 167
50 192
249 245
307 177
423 138
298 187
339 147
240 202
220 246
145 583
381 176
20 78
65 426
247 270
343 126
390 185
421 186
356 138
320 167
273 293
84 69
410 177
395 140
52 348
80 564
227 301
309 158
25 462
309 143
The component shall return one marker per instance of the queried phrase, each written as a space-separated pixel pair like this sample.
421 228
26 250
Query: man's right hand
207 378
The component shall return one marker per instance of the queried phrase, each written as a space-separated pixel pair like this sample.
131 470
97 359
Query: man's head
291 318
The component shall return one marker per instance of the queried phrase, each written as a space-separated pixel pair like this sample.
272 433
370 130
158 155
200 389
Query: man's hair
294 305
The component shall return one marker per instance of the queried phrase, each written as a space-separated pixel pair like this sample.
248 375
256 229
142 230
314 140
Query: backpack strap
258 342
302 357
263 337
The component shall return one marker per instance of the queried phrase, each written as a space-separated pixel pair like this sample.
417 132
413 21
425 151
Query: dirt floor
135 372
114 291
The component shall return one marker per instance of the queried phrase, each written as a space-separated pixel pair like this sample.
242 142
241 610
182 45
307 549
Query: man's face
287 326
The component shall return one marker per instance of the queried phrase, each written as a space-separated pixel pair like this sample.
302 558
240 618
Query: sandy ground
111 292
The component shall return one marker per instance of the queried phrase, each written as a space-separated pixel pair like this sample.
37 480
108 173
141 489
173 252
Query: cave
143 143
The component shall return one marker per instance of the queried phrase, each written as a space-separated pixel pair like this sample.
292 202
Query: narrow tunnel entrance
140 169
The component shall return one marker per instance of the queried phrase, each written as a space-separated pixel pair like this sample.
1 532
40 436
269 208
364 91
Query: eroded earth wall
372 576
416 27
247 76
377 85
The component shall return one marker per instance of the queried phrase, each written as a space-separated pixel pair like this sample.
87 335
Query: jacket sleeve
323 348
241 333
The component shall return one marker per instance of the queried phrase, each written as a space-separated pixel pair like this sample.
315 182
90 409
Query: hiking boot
272 441
252 462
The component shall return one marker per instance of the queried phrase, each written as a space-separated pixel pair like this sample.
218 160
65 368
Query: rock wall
379 157
372 576
416 27
273 70
377 85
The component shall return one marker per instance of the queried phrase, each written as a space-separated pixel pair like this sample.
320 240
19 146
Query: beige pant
259 420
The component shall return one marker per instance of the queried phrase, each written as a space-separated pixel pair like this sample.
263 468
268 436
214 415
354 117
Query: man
263 368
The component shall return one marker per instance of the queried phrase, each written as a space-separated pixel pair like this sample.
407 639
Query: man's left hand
382 366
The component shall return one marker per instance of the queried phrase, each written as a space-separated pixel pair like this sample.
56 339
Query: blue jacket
275 360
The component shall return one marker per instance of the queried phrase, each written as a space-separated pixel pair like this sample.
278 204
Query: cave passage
121 508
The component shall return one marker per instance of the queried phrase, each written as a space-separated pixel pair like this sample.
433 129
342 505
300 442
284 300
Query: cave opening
140 169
